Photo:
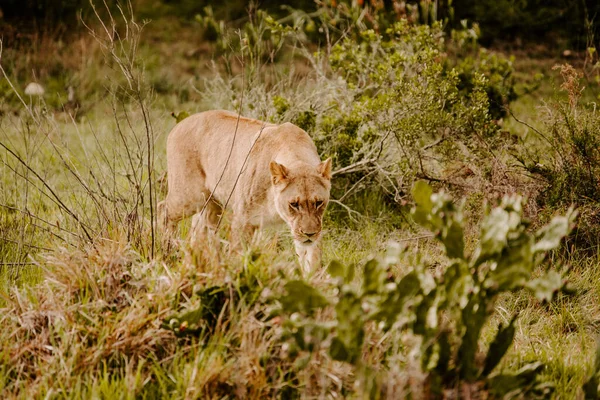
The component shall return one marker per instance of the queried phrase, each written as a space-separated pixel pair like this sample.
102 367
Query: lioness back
258 169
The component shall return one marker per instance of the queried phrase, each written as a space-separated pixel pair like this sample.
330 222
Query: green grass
563 334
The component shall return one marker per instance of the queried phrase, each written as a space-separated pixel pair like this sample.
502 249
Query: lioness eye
318 203
294 205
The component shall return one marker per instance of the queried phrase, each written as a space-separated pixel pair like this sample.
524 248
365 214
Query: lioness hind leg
204 222
170 213
164 223
186 181
187 192
204 241
182 201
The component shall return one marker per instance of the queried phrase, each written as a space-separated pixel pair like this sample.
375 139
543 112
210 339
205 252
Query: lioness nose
310 234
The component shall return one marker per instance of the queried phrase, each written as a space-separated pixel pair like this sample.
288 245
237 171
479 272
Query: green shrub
411 112
500 84
445 312
257 41
389 108
348 18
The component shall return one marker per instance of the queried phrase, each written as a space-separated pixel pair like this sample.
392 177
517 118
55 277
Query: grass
83 318
563 334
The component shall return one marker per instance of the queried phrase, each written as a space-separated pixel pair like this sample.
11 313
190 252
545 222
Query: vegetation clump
443 313
389 107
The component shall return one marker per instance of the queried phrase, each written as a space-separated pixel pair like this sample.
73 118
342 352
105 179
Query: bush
389 108
500 84
439 317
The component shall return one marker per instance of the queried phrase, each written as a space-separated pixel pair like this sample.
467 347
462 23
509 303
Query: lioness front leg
309 255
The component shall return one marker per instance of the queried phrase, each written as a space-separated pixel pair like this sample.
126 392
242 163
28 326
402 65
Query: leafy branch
447 311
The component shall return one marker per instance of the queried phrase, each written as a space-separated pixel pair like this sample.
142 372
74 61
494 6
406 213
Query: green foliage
302 297
572 170
202 312
8 98
198 320
281 105
408 101
348 18
259 39
213 28
306 120
180 116
389 105
500 84
447 311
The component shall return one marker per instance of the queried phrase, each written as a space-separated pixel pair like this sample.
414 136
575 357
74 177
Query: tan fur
280 178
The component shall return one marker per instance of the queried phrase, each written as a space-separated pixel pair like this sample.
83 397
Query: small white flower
34 89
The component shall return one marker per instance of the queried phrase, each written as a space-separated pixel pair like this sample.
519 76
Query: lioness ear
278 172
325 168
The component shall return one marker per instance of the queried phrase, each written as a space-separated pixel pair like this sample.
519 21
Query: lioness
267 174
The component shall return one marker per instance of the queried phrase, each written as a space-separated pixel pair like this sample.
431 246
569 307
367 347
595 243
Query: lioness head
301 196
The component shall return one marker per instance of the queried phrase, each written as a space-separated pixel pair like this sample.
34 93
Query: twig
237 124
150 166
347 193
28 213
348 209
387 176
353 167
9 264
440 140
44 228
527 125
25 244
423 175
75 173
428 236
113 43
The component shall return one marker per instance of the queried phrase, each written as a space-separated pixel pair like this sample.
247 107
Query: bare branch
528 125
354 167
24 244
15 264
348 209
